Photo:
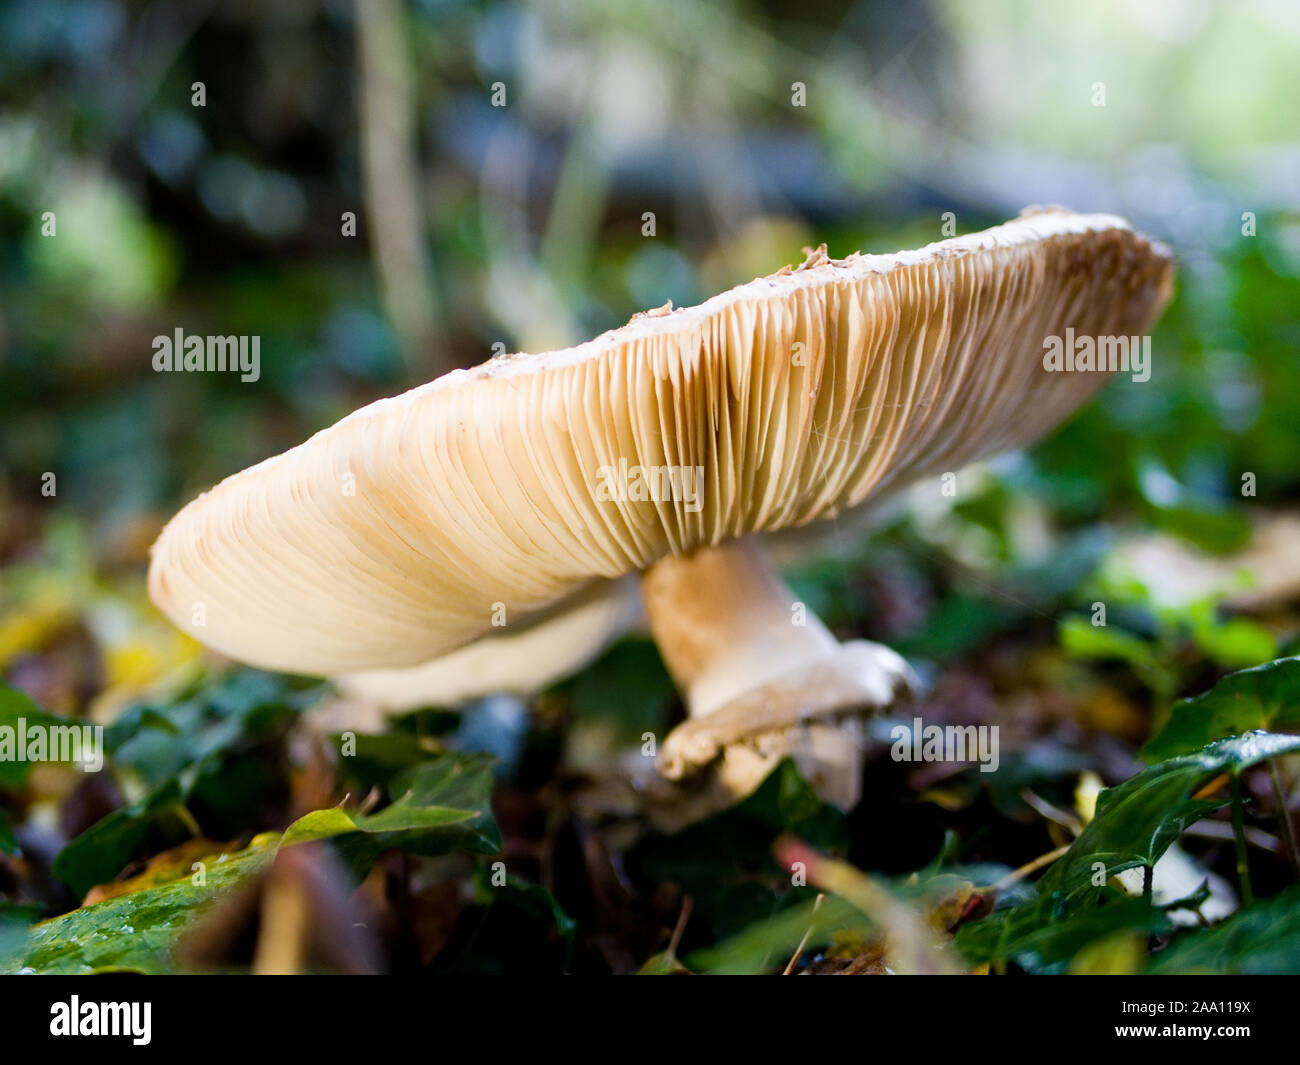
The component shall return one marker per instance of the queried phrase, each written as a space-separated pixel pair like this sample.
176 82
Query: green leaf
623 694
440 806
532 900
204 753
1137 821
107 846
16 706
1263 939
136 932
1266 697
1134 825
1030 936
1082 639
210 726
1235 643
770 943
15 921
375 758
1214 529
8 841
665 963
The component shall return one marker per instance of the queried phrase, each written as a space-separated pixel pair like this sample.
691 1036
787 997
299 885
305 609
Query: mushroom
666 448
522 660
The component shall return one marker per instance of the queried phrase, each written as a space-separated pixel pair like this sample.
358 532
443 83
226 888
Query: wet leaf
1134 825
1136 821
1266 697
136 932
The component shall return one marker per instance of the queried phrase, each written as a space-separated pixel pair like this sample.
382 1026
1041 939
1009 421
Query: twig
1030 867
186 818
1283 813
1057 816
1218 830
285 928
803 943
673 943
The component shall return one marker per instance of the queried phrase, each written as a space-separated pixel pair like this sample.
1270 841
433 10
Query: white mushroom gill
391 537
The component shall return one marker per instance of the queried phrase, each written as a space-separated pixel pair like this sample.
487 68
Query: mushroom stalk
762 677
725 622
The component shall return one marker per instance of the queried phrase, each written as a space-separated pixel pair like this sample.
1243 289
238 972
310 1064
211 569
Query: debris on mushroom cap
404 530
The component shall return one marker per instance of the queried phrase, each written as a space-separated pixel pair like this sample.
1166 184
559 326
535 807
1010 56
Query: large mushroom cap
411 526
523 659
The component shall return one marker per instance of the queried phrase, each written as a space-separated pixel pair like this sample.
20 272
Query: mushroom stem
725 623
762 677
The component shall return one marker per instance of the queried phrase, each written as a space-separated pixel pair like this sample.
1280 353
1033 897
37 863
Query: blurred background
341 181
386 190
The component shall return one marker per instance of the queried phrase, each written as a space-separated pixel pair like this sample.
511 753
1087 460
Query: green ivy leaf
136 932
1266 697
16 705
202 753
107 846
1134 825
1263 939
769 943
1137 821
440 806
1235 643
1082 639
208 727
1036 941
375 757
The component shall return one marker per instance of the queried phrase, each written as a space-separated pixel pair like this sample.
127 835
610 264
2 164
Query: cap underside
410 527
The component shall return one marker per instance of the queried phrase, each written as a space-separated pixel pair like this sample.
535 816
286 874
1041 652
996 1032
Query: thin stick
1030 867
789 968
285 928
1255 837
187 819
1283 813
1239 835
682 918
